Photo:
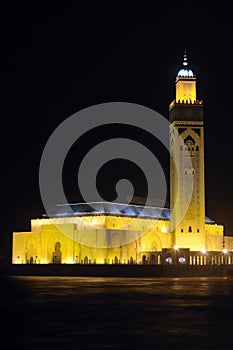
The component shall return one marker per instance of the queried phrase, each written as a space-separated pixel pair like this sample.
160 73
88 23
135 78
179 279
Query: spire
185 72
185 62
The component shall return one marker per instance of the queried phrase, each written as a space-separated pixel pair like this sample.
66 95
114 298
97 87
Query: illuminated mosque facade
110 233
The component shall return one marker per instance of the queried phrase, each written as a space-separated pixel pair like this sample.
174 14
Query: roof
113 209
185 73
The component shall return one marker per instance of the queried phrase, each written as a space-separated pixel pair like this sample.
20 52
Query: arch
57 254
144 260
116 240
156 242
189 140
190 135
30 250
57 246
159 259
153 259
51 242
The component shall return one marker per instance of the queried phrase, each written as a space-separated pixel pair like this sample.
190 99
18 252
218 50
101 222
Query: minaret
187 194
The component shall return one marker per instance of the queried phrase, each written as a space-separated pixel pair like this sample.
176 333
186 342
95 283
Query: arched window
189 146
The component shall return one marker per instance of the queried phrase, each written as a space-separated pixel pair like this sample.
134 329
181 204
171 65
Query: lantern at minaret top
185 84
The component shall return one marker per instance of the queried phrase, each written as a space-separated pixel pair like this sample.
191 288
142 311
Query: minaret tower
187 194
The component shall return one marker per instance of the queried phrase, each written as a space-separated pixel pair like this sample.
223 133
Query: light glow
186 73
169 260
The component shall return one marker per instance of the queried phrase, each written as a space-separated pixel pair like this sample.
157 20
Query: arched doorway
152 259
144 261
57 254
30 251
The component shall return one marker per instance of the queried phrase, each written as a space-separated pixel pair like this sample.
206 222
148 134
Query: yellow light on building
116 236
94 222
185 84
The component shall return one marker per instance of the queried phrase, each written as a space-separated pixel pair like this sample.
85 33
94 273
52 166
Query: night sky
59 59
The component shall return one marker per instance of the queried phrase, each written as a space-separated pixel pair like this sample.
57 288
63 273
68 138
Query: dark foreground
118 270
51 312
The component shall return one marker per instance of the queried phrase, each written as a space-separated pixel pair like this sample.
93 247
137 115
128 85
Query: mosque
110 233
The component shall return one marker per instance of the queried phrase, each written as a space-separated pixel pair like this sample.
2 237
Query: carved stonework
189 112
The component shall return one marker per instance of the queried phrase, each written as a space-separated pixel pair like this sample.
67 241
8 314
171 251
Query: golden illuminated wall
214 237
187 171
186 89
82 222
228 243
24 243
187 167
122 240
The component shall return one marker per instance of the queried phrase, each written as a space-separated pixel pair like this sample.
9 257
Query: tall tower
187 163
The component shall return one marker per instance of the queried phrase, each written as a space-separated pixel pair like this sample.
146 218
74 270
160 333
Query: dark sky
59 59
